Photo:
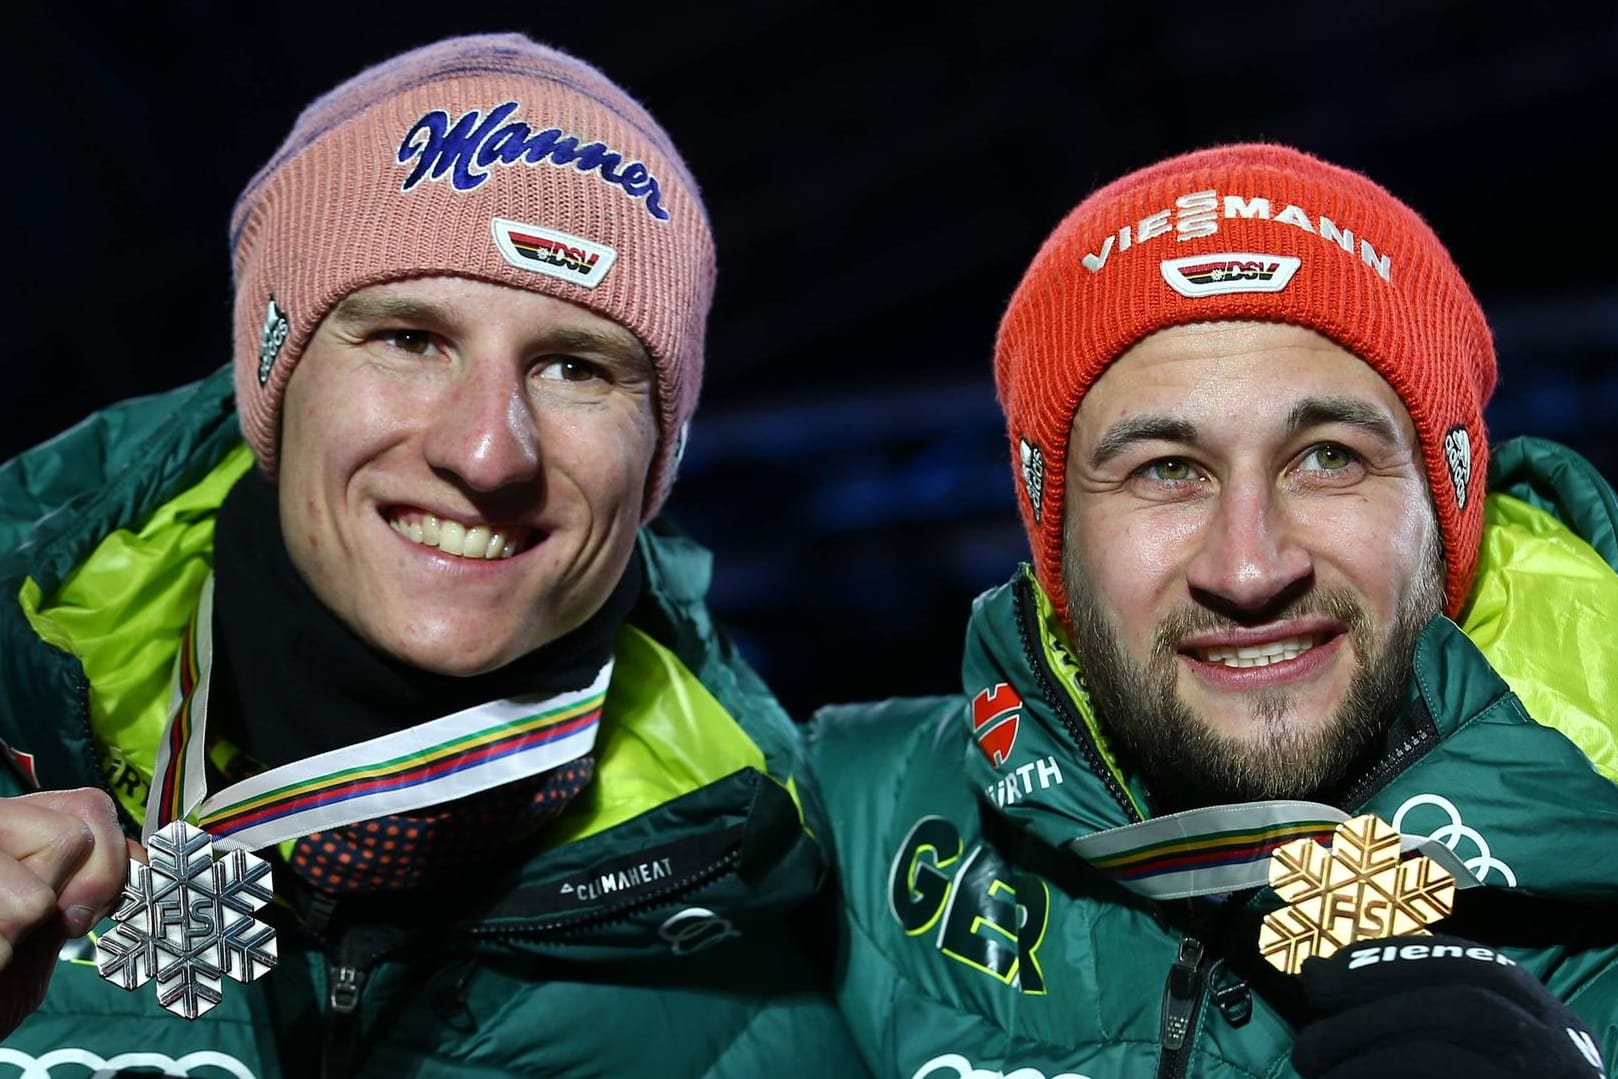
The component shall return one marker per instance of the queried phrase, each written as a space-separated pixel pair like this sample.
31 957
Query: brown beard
1185 762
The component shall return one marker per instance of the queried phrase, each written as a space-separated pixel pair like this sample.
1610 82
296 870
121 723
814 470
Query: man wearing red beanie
381 617
1293 751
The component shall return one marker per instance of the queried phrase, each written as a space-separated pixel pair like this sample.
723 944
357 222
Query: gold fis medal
1358 888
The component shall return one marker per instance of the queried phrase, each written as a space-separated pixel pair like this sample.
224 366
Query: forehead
456 301
1246 376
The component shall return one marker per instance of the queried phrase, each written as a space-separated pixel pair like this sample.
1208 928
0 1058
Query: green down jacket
660 933
979 946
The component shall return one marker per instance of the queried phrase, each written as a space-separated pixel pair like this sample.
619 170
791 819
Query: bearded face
1250 554
1280 753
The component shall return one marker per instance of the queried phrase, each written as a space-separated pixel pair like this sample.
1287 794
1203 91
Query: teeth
1260 655
453 537
451 534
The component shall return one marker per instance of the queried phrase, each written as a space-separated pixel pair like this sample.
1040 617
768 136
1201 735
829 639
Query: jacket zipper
344 984
347 967
346 973
1407 753
1027 630
618 912
1182 1003
130 826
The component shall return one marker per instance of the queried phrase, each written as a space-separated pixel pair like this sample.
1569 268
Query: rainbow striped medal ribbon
186 918
1342 879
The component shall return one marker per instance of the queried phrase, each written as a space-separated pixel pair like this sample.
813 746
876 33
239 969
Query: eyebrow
1318 411
621 345
358 308
1310 412
1126 433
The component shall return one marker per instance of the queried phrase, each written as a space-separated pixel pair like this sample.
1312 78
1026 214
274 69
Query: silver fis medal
186 922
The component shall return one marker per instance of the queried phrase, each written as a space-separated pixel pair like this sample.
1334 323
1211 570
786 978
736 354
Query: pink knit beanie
490 157
1258 232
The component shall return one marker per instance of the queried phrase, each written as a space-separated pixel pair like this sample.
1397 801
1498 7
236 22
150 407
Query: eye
571 369
1169 470
1328 457
415 342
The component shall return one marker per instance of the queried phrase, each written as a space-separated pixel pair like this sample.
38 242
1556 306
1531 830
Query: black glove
1436 1008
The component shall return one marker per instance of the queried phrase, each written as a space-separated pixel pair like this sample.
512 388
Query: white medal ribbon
460 754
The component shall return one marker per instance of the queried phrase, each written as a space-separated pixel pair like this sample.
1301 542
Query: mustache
1337 604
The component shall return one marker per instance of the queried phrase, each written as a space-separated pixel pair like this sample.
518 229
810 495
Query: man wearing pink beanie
1293 751
360 683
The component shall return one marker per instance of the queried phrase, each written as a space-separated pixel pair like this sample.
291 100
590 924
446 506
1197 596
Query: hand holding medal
1358 888
63 859
1413 1007
186 921
1399 1002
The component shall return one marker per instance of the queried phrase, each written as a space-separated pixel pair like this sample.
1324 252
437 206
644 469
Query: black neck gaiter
291 680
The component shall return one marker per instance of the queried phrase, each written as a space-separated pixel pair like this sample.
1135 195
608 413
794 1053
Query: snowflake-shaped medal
187 920
1359 888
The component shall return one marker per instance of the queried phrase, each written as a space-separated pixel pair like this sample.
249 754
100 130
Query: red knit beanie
1256 232
491 157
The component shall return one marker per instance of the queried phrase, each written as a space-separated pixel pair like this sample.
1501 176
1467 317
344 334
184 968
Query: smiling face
463 466
1250 553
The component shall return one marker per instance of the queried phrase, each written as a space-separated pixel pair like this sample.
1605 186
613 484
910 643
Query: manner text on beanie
489 157
1247 232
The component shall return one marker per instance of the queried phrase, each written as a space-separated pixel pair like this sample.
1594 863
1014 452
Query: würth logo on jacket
995 715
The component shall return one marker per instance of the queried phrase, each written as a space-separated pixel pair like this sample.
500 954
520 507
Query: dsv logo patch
955 1066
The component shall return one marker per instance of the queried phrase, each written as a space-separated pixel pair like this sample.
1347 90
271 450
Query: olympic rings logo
42 1067
694 929
1451 835
955 1066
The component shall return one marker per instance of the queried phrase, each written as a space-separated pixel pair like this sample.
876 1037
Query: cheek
1380 546
314 520
610 462
328 439
303 508
1136 549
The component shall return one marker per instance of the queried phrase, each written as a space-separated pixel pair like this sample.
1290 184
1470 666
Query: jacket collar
1517 802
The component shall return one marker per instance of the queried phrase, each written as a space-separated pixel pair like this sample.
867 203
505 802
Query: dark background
878 175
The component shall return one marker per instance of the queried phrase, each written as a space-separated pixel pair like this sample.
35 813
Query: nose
482 432
1250 560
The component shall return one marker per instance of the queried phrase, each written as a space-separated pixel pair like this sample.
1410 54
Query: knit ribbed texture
330 213
1420 328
